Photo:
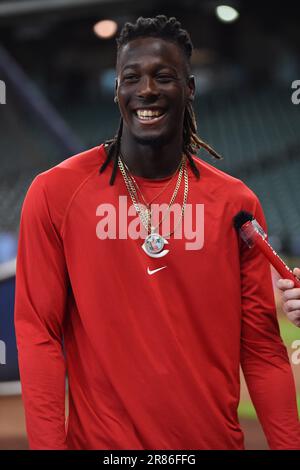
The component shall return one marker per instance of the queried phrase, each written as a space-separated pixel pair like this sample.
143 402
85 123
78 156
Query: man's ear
191 88
116 87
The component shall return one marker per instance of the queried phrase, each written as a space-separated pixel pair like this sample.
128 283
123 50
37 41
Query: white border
10 388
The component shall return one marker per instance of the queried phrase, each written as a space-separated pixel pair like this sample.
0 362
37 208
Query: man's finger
292 294
291 305
296 272
285 284
294 317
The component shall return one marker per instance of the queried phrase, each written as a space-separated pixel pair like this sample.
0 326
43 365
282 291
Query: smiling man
150 331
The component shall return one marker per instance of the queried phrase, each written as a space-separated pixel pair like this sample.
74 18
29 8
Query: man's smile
149 116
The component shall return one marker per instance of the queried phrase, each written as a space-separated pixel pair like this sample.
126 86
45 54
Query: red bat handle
265 247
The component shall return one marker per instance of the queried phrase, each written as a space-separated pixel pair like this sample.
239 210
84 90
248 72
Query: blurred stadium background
56 93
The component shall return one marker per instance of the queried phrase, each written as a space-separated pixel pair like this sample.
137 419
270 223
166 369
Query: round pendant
154 245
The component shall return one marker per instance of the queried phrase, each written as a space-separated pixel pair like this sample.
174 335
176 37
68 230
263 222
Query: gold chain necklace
146 214
148 204
154 242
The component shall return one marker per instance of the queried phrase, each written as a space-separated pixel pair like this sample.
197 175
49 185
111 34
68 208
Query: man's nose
147 87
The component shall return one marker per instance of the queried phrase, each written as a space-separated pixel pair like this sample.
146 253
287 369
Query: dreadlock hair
169 29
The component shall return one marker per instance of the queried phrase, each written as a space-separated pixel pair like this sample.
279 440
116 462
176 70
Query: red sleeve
264 358
40 299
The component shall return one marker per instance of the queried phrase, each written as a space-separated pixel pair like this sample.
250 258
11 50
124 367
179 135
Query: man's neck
151 161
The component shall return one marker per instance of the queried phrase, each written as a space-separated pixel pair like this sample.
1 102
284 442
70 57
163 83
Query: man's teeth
148 114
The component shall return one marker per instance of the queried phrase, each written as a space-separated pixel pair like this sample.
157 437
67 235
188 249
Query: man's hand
291 298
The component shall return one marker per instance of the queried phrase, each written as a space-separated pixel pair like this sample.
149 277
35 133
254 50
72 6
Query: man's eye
164 78
130 77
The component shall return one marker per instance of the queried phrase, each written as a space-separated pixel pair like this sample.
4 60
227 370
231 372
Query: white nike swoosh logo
155 270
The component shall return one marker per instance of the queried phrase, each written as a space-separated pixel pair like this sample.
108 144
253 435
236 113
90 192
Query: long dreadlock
169 29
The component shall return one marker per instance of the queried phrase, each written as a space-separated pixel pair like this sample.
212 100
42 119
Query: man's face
153 88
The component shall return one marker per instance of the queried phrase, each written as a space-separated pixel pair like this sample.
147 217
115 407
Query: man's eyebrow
130 66
158 67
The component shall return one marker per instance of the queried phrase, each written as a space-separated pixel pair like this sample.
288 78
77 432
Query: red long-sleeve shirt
152 359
